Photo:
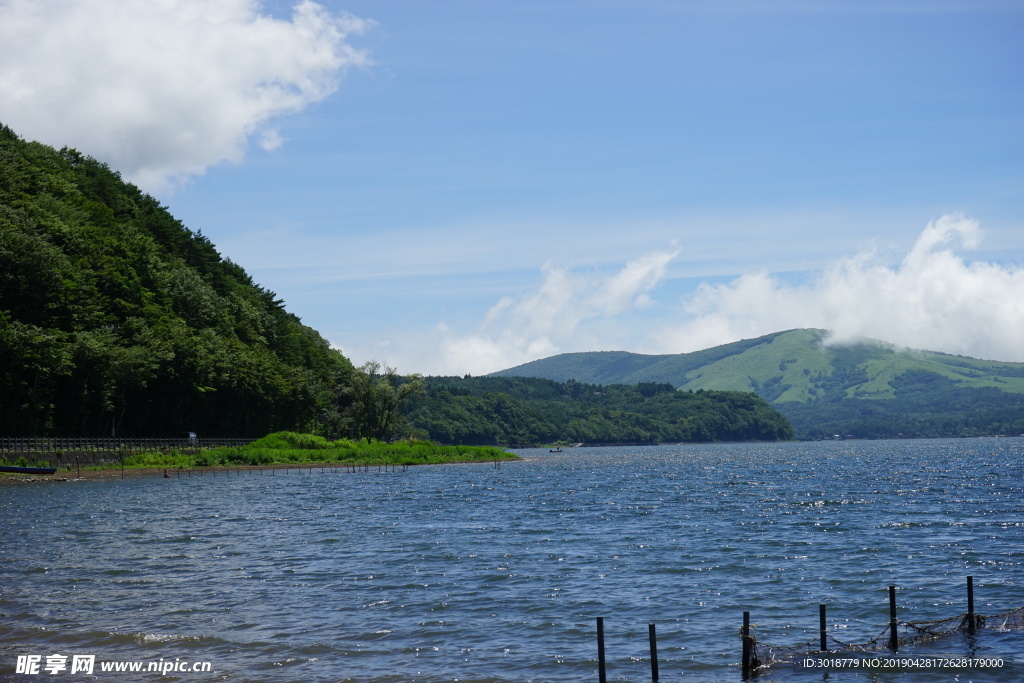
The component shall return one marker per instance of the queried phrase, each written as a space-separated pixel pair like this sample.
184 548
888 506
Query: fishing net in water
1004 621
909 633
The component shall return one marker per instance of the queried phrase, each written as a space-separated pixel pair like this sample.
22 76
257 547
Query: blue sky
466 186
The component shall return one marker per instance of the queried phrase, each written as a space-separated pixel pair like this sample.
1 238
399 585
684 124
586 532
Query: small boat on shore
27 470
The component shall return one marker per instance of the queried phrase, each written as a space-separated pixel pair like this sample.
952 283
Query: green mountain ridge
866 389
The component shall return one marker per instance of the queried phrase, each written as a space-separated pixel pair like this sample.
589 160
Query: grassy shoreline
293 450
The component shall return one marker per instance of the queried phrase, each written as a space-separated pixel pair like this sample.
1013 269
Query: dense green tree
520 411
377 393
117 319
926 405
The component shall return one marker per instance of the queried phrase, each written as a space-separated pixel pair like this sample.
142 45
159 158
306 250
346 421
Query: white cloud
164 89
540 324
933 299
570 311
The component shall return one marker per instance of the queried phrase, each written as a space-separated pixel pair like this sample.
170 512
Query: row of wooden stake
750 662
749 659
602 666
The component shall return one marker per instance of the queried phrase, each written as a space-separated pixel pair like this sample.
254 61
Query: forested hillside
117 319
493 410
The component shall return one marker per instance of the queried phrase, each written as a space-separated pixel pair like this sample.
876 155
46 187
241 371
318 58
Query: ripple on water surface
473 572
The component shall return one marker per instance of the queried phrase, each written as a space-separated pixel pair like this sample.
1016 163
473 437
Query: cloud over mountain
932 299
544 322
929 298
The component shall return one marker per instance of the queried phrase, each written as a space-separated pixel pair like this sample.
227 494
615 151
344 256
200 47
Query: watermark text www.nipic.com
86 664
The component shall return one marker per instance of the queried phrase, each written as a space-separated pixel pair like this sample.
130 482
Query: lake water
482 573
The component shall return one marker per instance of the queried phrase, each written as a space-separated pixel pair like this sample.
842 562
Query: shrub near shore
293 448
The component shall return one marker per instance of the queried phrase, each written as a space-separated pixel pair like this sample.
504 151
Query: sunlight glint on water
477 573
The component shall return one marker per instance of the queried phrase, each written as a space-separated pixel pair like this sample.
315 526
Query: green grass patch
290 448
171 458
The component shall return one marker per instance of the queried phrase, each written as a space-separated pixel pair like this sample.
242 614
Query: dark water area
482 573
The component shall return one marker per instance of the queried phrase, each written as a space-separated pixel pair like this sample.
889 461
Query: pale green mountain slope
796 365
866 389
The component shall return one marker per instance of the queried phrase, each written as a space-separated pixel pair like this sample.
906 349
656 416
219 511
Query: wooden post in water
894 642
822 627
654 652
970 604
745 635
601 674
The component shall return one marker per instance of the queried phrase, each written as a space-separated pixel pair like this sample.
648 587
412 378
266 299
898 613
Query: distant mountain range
865 390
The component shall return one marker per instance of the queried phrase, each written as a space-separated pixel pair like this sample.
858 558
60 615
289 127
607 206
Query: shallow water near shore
483 573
